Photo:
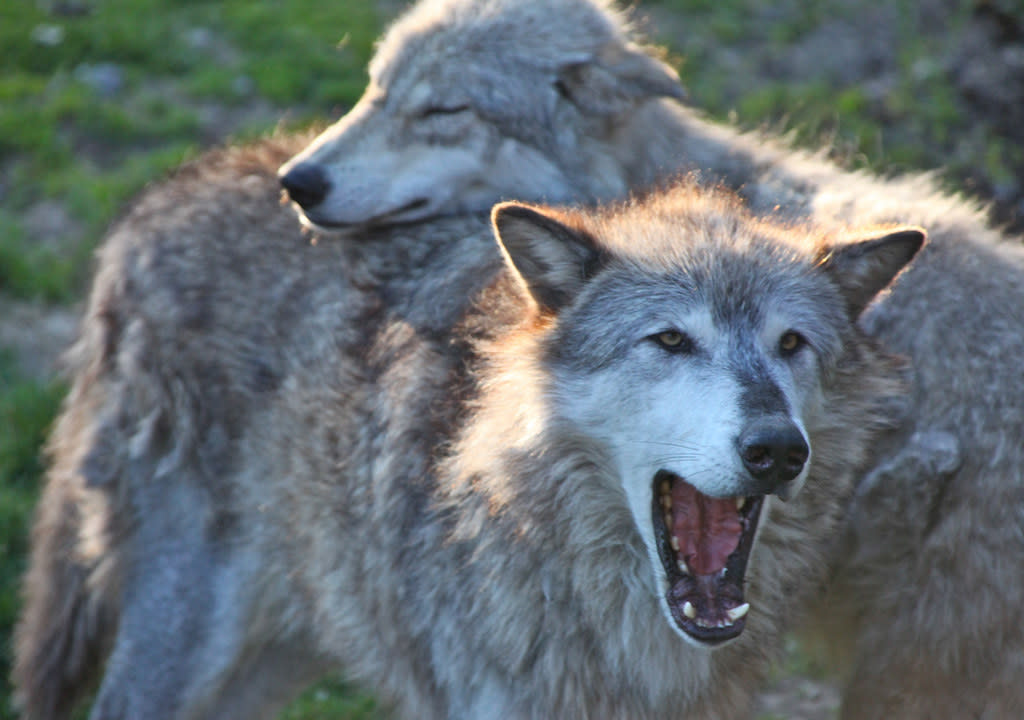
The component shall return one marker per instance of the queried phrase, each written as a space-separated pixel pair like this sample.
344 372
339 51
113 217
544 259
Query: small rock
242 85
200 38
48 35
70 8
37 335
925 68
1005 192
49 224
105 79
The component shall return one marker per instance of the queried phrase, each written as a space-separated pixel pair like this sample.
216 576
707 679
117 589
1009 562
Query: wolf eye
674 341
790 342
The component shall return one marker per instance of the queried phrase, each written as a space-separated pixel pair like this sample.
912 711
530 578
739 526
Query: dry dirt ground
981 61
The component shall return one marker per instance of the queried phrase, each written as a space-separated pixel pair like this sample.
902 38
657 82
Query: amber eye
790 342
674 340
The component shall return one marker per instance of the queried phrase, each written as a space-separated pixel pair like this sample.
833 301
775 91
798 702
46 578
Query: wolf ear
551 259
864 267
617 79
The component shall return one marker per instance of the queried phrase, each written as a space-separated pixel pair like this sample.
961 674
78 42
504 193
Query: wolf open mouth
704 544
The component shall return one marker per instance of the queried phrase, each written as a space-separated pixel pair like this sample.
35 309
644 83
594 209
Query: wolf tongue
708 528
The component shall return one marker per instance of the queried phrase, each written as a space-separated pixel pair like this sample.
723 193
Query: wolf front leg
931 582
198 636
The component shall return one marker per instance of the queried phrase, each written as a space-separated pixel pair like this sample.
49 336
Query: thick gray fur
927 588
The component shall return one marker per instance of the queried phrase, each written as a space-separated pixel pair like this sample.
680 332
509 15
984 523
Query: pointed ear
617 79
551 259
863 268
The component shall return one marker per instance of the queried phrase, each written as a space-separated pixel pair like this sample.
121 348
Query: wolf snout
306 183
774 452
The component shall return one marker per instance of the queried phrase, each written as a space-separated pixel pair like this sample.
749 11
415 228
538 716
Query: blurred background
100 97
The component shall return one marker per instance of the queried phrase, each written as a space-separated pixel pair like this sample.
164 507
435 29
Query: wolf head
472 101
701 350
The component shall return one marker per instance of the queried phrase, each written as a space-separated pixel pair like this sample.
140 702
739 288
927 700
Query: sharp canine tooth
740 502
684 567
675 543
737 612
689 610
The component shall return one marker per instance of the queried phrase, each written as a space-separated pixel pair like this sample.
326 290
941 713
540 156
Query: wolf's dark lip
706 601
392 217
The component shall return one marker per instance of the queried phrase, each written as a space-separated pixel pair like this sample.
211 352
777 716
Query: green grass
28 271
60 140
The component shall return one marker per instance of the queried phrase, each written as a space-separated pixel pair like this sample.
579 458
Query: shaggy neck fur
518 475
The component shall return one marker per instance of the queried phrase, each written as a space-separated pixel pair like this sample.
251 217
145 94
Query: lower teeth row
734 614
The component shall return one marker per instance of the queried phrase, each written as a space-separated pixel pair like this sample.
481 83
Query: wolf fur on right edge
409 484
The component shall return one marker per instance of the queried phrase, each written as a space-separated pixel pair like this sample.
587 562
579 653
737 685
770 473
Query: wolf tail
69 600
69 593
58 641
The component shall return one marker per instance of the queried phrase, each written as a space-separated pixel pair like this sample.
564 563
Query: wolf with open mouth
708 359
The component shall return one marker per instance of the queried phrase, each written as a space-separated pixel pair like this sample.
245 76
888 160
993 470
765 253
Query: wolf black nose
306 183
773 453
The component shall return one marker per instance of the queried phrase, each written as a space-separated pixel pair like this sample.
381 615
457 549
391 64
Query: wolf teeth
684 567
734 616
740 502
737 612
675 543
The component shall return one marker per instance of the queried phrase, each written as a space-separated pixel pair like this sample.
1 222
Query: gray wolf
537 479
928 587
